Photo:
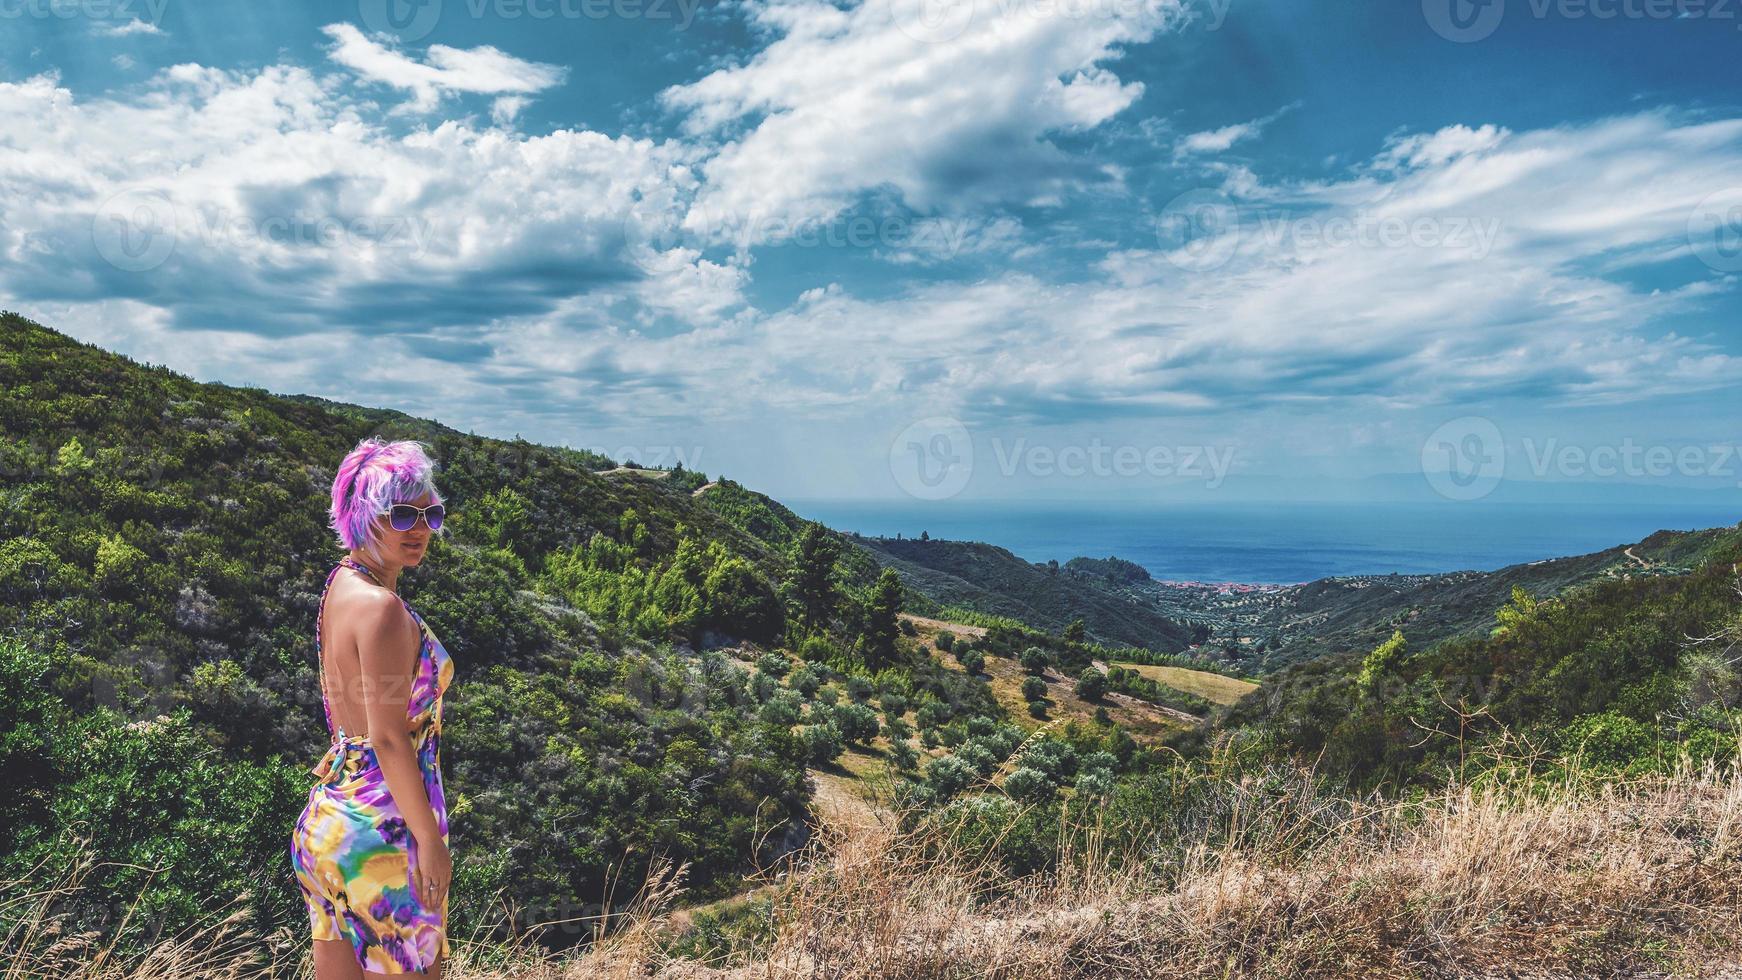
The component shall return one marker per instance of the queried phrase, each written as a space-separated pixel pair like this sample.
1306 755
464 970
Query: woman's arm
388 642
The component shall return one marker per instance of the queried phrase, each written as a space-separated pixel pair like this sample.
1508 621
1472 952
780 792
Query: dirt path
838 804
925 622
704 488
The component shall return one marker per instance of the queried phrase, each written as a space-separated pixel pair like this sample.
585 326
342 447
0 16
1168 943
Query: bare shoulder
383 629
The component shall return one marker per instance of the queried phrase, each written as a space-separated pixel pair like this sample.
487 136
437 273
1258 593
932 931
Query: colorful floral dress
351 849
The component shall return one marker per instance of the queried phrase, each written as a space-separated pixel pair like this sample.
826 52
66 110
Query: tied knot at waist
344 748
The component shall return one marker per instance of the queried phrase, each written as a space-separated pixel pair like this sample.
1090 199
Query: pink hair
373 477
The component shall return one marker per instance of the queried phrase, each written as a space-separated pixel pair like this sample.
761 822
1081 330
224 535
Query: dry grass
1212 687
1528 877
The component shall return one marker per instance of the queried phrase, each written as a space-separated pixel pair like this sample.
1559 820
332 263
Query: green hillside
1626 672
648 665
989 579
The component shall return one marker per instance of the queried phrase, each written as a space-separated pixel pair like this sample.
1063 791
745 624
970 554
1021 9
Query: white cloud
847 101
125 28
283 204
1223 139
534 283
484 70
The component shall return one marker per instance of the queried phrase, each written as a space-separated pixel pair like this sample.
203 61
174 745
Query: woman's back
356 615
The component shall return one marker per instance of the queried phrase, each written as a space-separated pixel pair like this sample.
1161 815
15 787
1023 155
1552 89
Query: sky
922 250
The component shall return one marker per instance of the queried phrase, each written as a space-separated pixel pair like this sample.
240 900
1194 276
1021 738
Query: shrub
1033 688
931 714
1035 660
1095 784
856 722
816 649
1609 740
1092 685
859 689
894 705
781 709
903 756
948 776
1037 709
973 661
806 680
823 744
946 641
1030 786
773 664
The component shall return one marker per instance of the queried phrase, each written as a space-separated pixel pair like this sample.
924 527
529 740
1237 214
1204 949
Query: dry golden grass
1527 877
1216 688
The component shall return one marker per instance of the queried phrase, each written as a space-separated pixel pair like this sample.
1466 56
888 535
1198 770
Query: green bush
894 705
1030 786
1092 685
949 775
856 722
1033 688
859 689
1035 660
823 744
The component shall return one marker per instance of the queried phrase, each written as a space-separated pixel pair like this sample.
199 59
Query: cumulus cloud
272 200
537 283
484 70
849 100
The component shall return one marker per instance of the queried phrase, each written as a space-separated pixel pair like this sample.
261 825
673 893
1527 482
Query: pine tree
881 628
814 582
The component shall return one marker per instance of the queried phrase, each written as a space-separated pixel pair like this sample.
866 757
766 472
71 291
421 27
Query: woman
371 848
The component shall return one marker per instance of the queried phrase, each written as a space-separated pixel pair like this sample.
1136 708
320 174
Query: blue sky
921 249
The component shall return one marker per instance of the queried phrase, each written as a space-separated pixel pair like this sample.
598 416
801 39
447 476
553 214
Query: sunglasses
403 517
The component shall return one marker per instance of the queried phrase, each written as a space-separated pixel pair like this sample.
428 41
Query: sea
1277 542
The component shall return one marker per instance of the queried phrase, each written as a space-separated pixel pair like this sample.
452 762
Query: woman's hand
431 871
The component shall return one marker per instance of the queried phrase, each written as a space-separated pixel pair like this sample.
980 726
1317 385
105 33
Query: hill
648 670
1262 629
989 579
